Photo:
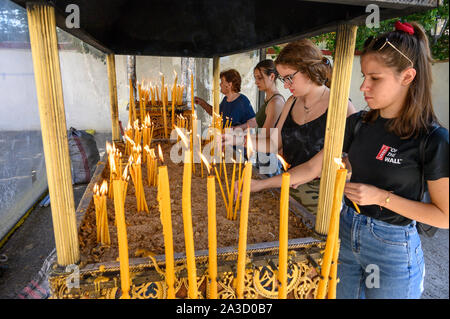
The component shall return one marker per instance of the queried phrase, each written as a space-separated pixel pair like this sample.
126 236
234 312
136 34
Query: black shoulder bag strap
425 229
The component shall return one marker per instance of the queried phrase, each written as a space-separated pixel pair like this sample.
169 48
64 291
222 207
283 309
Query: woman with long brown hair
381 254
303 70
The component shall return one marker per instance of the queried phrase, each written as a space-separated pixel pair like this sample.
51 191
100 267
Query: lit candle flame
104 188
112 163
125 172
339 162
108 148
183 137
96 189
160 153
205 161
147 120
249 144
283 162
129 140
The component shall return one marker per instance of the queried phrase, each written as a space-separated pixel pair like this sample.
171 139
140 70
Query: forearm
300 174
250 123
435 213
427 213
207 107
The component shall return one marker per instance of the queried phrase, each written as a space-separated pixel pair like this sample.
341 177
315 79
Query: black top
302 142
384 160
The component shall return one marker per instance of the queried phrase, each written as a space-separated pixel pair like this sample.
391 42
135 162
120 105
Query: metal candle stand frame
102 280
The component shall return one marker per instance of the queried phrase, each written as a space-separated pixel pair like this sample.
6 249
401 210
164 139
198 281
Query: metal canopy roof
207 28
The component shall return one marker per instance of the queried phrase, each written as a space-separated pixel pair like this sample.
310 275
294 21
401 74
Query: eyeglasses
289 78
386 41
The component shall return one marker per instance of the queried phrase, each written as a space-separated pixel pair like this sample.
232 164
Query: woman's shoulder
243 97
438 134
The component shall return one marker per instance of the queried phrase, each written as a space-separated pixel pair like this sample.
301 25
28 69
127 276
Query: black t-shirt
302 142
384 160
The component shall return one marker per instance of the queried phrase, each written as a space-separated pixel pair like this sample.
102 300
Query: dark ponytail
410 39
267 67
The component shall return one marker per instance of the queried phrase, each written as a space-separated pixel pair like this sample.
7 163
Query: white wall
85 87
439 89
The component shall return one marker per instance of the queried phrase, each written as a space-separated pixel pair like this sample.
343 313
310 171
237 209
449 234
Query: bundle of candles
328 274
158 96
138 149
101 216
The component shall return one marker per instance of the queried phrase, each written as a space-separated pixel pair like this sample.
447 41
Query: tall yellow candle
164 105
212 236
174 88
119 201
192 94
239 186
243 224
221 189
333 272
333 230
141 104
231 194
284 218
187 222
166 218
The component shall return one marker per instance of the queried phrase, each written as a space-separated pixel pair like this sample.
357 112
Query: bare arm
300 174
273 111
207 107
435 213
250 123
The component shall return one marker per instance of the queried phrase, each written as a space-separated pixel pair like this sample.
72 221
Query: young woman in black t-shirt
381 254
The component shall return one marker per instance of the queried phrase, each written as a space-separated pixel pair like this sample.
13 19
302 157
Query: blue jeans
378 260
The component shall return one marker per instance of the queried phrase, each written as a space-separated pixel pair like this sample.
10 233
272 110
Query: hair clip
404 26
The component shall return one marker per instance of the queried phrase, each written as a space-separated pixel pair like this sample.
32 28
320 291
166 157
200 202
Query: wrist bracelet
387 199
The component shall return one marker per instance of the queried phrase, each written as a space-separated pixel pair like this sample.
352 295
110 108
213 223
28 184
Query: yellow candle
187 222
164 105
174 97
231 194
243 223
333 272
225 173
97 210
212 237
239 186
136 175
200 151
119 200
333 230
221 189
284 220
141 104
166 218
192 94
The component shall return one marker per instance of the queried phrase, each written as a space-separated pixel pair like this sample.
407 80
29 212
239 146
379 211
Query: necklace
308 108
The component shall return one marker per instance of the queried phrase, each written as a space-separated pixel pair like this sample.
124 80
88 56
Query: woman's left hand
364 194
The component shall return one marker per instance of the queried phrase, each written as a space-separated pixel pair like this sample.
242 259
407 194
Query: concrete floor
32 243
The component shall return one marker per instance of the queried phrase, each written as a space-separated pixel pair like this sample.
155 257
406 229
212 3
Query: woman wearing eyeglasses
301 126
380 254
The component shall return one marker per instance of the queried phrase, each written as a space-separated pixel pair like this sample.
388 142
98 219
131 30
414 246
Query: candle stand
147 275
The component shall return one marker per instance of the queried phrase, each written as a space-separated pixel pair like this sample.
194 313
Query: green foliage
439 50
